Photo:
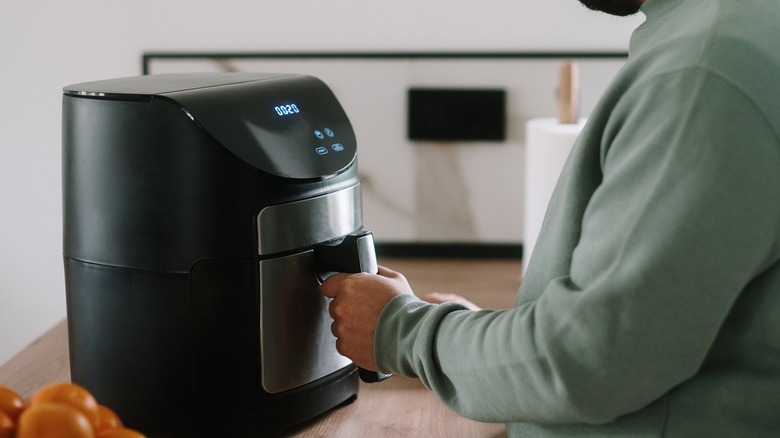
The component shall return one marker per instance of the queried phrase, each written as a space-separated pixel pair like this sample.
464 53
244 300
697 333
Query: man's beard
614 7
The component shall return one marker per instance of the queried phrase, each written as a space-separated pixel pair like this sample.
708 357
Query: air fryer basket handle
354 253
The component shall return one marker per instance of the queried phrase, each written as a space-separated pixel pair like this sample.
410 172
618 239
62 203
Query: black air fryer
201 212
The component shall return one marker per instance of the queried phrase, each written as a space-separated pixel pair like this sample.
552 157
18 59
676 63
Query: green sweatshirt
651 306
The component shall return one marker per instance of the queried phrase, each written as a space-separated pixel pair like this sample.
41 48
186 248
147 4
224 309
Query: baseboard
430 250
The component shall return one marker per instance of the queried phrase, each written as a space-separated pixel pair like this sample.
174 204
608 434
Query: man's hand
358 299
441 297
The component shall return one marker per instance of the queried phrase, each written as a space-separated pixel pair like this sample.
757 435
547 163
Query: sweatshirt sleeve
685 217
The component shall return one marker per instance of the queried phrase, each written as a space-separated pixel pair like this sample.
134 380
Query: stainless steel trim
296 344
367 254
286 227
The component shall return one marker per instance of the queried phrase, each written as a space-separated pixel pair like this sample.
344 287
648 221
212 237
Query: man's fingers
340 347
386 272
332 285
333 329
441 297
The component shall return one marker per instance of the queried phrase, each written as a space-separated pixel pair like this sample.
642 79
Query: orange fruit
121 433
7 426
11 403
69 394
108 419
53 420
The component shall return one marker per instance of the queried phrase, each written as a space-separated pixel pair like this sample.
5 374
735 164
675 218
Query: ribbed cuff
396 337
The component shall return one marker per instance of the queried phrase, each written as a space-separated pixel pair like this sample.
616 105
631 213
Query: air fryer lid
291 126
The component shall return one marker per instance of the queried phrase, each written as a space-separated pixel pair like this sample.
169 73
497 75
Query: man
651 306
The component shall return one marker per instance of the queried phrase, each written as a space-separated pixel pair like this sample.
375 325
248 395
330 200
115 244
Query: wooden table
396 407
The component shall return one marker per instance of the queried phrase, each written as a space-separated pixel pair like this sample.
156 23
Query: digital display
286 110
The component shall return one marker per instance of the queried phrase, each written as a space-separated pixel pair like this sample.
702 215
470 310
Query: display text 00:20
285 110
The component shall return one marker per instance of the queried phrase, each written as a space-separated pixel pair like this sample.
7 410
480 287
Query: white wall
47 44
